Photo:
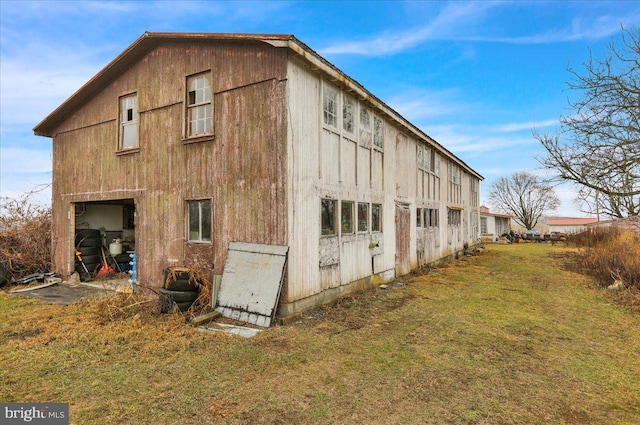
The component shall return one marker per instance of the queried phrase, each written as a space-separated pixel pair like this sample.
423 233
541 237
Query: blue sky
475 76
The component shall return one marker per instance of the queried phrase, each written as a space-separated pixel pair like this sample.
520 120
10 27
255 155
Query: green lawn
507 337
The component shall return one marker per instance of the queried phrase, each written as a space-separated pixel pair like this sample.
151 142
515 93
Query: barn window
199 221
346 217
199 115
363 217
431 217
365 128
349 115
378 132
376 217
418 217
128 122
330 106
328 217
454 217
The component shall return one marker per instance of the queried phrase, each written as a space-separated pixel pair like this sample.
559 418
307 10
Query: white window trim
122 124
207 135
188 221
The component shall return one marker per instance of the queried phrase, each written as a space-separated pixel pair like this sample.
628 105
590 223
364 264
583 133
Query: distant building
493 225
568 224
624 223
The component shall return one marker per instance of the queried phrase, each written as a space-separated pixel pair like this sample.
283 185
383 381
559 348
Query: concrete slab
230 329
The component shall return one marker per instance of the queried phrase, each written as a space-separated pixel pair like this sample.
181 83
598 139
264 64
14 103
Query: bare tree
524 196
599 143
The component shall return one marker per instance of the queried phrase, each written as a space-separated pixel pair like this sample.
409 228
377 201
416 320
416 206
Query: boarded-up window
346 217
363 217
349 116
378 132
199 221
128 122
199 109
328 216
376 218
330 106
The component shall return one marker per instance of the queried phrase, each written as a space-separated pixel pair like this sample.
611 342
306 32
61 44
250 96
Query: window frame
201 222
193 105
454 217
352 114
366 217
433 215
378 133
347 227
328 113
122 124
419 218
376 225
332 216
365 134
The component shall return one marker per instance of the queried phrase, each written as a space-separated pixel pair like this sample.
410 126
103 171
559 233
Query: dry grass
509 337
610 254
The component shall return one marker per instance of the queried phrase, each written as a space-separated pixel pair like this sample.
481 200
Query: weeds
25 237
610 255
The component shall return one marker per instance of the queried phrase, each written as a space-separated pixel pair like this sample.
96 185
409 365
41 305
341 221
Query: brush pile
25 238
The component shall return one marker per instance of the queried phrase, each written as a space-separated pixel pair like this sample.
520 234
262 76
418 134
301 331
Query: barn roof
150 40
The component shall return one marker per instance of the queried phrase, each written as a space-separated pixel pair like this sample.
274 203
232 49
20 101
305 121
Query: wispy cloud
417 104
519 126
458 21
452 17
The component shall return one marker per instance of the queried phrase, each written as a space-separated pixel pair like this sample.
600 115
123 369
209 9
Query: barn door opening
104 238
403 238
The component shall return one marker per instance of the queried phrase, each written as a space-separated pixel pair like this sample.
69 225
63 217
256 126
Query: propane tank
115 247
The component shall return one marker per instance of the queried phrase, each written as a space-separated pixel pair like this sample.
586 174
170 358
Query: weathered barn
187 142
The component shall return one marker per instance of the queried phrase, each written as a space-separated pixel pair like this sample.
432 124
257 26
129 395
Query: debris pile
25 238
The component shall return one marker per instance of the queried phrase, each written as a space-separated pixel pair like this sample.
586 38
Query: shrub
25 237
611 254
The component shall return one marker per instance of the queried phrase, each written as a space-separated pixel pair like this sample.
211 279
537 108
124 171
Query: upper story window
455 174
349 115
365 128
378 132
128 122
330 105
199 115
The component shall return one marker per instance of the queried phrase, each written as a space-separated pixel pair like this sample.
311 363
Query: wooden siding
266 169
242 170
